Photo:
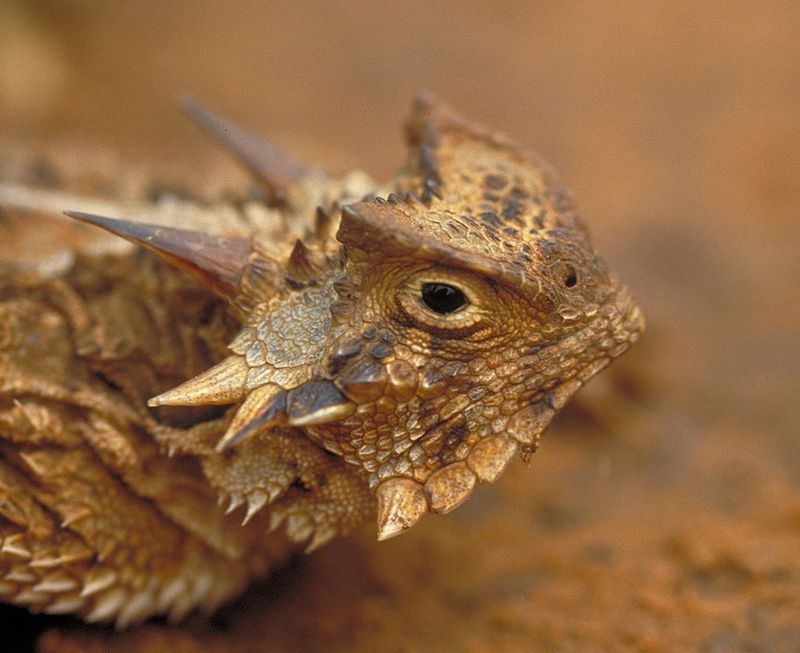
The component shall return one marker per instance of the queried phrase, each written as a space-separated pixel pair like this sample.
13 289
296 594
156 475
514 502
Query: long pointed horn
273 167
216 260
222 384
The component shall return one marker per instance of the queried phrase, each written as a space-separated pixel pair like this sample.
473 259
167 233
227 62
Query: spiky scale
300 267
135 609
236 501
16 545
322 535
75 514
56 583
107 605
201 587
31 597
256 500
20 575
169 593
181 606
299 527
98 579
65 605
490 456
401 503
449 487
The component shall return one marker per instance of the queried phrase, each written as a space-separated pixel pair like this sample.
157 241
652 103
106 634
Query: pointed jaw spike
449 487
490 456
401 503
216 260
222 384
526 425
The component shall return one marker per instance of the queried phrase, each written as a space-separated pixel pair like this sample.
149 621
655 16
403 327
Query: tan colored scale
384 356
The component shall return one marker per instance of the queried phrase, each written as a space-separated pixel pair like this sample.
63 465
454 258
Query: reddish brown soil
662 512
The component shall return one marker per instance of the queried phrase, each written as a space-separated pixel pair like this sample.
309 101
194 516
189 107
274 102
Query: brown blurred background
663 511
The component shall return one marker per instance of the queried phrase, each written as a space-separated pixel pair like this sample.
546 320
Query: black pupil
571 277
442 298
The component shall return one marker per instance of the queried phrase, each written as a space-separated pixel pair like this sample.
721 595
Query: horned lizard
370 356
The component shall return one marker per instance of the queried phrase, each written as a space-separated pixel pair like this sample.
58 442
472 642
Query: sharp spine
256 500
236 501
65 604
55 584
169 594
263 407
322 535
217 261
401 504
222 384
449 487
17 546
135 610
97 580
273 167
107 605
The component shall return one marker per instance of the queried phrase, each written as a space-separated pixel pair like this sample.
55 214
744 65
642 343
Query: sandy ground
662 512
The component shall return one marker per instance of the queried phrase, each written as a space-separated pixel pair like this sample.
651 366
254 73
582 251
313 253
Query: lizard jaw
402 501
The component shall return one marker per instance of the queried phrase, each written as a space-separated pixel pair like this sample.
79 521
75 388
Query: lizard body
381 355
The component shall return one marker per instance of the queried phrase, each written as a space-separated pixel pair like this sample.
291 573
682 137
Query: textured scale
324 389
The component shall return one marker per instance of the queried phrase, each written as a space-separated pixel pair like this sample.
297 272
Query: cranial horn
222 384
217 261
266 162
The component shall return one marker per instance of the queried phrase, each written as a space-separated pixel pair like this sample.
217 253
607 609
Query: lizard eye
442 298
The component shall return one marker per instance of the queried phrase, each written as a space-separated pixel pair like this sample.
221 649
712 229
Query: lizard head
435 340
478 307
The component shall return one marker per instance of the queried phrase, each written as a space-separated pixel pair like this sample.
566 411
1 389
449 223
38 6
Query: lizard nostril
570 277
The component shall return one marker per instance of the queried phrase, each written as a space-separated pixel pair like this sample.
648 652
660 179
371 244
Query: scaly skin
406 348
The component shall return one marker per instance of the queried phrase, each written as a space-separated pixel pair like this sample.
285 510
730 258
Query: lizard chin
402 501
